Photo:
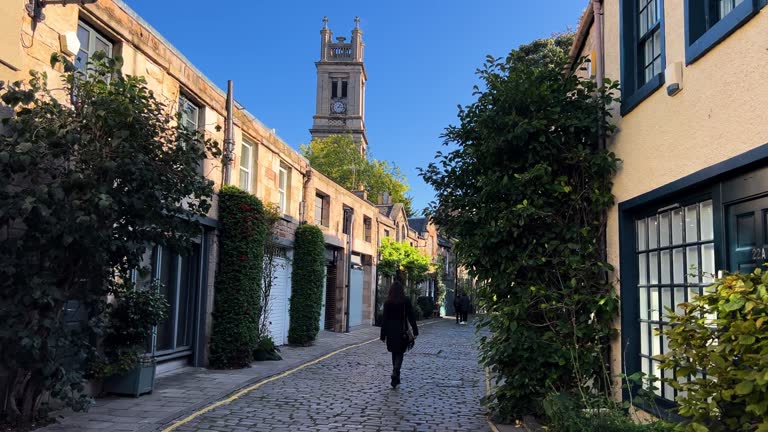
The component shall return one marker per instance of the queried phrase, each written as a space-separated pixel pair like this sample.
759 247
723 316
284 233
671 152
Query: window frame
282 189
190 102
93 34
249 169
367 229
717 32
324 208
633 94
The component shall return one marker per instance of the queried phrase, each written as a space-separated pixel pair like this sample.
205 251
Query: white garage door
278 302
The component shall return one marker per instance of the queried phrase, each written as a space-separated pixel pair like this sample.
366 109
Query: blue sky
420 56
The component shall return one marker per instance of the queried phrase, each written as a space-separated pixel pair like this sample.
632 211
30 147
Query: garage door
278 302
355 297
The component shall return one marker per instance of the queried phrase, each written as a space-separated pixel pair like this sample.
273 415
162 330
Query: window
282 188
643 61
190 113
347 222
367 228
322 205
90 43
708 22
675 254
246 166
386 233
338 89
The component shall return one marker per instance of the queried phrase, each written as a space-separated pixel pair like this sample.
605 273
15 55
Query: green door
747 232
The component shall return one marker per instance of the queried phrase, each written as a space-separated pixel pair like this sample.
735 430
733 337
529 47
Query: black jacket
392 326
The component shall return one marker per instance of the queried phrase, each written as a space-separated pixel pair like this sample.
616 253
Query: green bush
598 414
418 312
130 322
238 281
525 194
724 333
266 349
308 278
427 306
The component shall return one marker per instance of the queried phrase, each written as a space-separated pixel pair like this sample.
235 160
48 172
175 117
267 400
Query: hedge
238 280
307 285
427 305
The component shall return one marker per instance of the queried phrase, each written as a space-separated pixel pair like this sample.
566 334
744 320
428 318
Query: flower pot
135 382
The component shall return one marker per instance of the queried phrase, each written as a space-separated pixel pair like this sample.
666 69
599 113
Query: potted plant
124 366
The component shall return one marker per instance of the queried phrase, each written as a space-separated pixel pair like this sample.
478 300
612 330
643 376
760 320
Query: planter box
135 382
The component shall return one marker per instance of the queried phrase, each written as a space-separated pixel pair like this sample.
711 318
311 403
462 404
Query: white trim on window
246 166
282 188
90 42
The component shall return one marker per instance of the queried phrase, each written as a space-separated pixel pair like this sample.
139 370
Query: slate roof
418 224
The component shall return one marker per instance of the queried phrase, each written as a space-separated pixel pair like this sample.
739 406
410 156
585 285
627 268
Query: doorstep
181 392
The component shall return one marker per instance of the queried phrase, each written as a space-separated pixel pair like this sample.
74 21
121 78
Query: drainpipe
307 179
348 213
597 8
229 140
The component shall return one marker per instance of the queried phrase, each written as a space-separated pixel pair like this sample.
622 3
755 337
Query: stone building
263 164
692 187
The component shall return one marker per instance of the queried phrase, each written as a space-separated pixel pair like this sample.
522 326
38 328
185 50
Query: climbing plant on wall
307 280
238 280
525 193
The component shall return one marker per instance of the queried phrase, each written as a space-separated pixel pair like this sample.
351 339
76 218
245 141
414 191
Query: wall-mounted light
34 8
69 42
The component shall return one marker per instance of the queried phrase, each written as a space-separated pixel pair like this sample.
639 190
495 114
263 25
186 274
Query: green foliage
238 281
130 322
269 273
402 257
525 192
427 305
724 333
339 158
86 187
418 312
307 280
566 413
266 349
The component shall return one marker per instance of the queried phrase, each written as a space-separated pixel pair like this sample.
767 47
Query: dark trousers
397 363
458 316
464 316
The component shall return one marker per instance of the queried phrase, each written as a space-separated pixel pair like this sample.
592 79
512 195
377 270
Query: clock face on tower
338 107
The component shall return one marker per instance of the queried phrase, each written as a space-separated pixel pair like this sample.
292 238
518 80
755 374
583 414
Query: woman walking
398 313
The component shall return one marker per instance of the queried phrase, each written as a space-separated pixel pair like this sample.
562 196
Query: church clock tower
340 105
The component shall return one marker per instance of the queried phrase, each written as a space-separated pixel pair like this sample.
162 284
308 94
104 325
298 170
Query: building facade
692 188
263 165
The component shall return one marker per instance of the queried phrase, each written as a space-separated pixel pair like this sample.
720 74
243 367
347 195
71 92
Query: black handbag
408 338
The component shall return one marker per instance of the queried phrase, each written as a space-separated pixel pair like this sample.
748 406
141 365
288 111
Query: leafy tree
236 307
525 193
307 280
87 185
339 158
404 259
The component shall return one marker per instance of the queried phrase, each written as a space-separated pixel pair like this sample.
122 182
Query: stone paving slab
186 390
351 392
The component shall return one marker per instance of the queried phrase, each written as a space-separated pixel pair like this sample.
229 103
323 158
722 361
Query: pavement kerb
247 387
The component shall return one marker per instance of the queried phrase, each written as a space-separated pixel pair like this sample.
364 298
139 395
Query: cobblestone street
441 391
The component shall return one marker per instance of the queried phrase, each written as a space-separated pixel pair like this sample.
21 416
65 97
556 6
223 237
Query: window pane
678 266
665 267
708 263
81 61
642 269
334 90
691 224
653 229
318 210
244 180
644 329
245 156
664 237
692 256
677 226
643 303
654 294
83 35
666 302
654 267
102 45
707 225
655 341
642 235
